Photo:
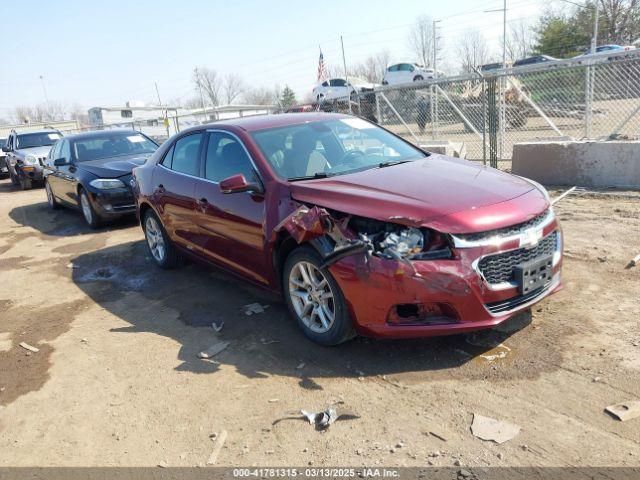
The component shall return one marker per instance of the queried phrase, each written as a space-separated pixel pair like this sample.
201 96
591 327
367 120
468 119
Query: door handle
203 203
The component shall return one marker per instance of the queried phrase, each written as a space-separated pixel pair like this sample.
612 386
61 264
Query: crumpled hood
37 151
114 167
445 193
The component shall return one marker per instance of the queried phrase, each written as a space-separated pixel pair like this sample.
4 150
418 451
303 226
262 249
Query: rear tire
314 299
51 199
161 249
418 78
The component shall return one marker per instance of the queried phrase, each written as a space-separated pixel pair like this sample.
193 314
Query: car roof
263 122
44 130
100 133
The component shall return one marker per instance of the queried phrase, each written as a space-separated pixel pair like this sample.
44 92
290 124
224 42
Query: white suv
406 73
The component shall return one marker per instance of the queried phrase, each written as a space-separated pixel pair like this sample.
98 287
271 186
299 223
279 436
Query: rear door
231 225
67 185
174 183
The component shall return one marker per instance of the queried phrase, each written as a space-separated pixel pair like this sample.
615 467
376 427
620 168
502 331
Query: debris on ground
486 428
602 259
217 326
213 350
254 308
300 366
624 411
26 346
438 435
634 261
264 341
323 420
217 446
273 400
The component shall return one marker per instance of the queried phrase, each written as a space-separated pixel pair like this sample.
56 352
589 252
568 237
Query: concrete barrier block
452 149
582 163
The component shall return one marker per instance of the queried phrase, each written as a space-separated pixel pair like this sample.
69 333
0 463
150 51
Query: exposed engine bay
337 235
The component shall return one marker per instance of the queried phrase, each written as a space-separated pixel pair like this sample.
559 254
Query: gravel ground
117 379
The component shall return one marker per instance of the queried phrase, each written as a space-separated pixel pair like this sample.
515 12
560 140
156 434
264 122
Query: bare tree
261 96
520 40
421 40
472 50
210 83
232 88
620 20
49 112
373 68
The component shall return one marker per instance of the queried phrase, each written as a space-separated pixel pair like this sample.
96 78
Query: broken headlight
393 241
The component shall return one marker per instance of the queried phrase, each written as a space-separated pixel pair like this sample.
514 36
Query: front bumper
32 172
112 202
376 288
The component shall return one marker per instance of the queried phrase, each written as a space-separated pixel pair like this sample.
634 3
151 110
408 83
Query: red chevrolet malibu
362 232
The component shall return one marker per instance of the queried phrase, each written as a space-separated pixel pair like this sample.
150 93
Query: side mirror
5 149
60 162
237 183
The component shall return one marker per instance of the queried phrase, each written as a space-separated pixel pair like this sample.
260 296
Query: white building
150 120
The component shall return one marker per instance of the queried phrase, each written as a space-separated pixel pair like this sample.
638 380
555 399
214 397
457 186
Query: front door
174 190
231 225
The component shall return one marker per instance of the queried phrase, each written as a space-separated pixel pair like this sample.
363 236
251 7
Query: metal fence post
588 101
492 111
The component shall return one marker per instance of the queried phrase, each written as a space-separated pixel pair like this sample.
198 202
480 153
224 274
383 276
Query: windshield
112 145
41 139
332 147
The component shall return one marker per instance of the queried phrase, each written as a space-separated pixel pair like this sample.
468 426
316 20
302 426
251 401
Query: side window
226 157
186 154
393 68
65 150
53 153
325 84
126 113
166 161
338 82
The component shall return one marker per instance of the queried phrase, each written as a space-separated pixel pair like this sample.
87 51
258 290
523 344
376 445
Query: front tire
315 300
160 247
25 183
51 199
14 179
88 212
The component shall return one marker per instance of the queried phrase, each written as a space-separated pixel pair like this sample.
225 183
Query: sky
93 53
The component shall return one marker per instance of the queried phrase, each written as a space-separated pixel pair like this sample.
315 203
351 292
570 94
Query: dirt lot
118 381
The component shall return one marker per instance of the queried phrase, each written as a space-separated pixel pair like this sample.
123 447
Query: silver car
25 154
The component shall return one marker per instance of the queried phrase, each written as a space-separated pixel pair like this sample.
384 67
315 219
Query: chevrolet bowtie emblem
530 238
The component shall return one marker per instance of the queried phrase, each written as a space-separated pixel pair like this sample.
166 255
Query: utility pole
201 96
434 88
594 39
346 77
504 34
44 90
166 113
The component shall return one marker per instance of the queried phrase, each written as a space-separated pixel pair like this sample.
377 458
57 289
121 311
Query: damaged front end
337 235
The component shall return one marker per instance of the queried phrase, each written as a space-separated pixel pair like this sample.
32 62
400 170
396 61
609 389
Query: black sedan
92 171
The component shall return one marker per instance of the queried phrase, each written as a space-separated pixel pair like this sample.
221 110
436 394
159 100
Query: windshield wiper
390 164
310 177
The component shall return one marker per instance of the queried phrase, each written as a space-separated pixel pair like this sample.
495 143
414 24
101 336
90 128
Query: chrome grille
505 231
499 268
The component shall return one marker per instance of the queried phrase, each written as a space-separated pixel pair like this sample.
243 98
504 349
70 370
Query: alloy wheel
47 189
311 297
86 208
154 239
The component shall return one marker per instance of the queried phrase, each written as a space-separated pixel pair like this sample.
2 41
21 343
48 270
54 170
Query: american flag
322 70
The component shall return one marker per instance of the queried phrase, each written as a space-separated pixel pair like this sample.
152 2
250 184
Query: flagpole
346 78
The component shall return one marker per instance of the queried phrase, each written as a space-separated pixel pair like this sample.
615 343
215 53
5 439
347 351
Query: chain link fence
594 98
